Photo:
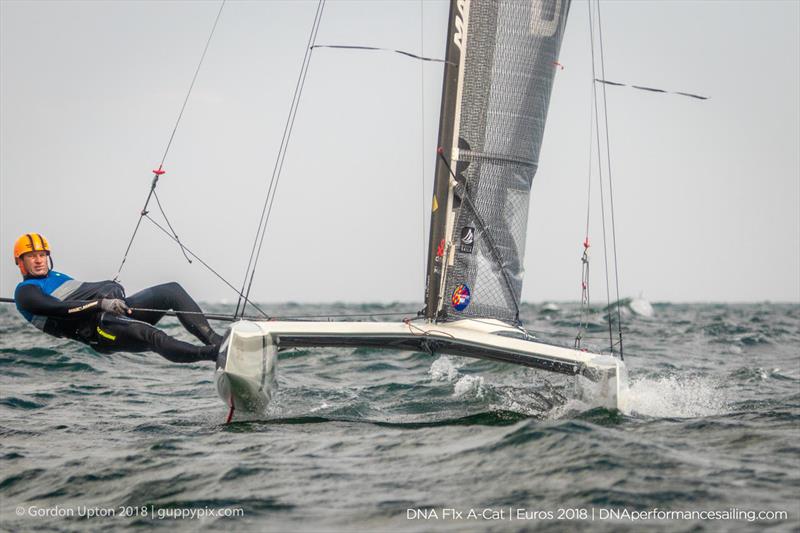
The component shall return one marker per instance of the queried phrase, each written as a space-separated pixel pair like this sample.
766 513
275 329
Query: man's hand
115 306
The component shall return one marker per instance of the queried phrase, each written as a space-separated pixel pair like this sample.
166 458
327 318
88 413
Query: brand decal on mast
458 36
461 297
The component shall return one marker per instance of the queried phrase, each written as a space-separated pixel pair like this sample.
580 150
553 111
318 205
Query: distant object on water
550 307
633 306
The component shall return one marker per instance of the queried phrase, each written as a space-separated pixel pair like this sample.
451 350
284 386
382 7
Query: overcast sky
707 193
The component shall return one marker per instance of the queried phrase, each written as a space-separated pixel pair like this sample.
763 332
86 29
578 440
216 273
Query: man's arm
32 299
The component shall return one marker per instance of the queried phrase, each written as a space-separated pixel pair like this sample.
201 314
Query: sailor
100 315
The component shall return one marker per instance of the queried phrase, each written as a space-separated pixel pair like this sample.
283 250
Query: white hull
245 372
246 369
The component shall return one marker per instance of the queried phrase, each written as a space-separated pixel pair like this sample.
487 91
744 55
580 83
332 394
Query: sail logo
458 35
461 297
467 240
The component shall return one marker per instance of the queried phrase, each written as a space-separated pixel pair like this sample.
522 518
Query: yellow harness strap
106 334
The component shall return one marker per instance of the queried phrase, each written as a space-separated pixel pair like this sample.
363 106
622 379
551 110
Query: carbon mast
440 242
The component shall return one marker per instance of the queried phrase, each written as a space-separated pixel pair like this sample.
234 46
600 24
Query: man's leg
122 334
173 296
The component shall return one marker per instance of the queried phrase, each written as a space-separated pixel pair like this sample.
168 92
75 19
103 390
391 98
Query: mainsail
501 60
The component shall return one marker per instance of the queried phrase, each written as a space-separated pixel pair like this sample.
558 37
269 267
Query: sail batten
507 56
471 155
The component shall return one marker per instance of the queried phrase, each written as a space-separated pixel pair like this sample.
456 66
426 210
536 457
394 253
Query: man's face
35 263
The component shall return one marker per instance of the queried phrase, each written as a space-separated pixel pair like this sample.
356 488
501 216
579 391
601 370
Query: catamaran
501 58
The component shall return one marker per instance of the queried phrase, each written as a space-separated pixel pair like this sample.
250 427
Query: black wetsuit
109 333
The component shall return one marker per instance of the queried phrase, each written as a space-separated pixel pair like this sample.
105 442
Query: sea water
360 439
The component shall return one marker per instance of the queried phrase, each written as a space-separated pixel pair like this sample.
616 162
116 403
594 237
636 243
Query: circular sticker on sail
461 297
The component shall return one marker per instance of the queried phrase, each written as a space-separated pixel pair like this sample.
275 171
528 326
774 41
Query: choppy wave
354 439
676 396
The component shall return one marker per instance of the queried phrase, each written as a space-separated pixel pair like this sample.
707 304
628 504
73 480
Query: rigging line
344 315
191 86
142 213
518 327
160 171
600 171
275 171
652 89
285 149
378 49
591 154
174 234
583 318
162 228
269 188
610 185
209 316
232 318
167 312
130 242
492 249
422 138
282 155
431 333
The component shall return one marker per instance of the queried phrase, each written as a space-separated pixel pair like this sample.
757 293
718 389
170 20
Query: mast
437 242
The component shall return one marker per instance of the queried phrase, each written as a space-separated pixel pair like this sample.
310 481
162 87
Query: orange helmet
30 242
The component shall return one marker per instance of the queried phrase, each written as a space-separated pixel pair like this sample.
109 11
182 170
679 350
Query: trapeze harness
64 307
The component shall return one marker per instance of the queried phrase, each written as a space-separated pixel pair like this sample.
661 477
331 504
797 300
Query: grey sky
706 193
